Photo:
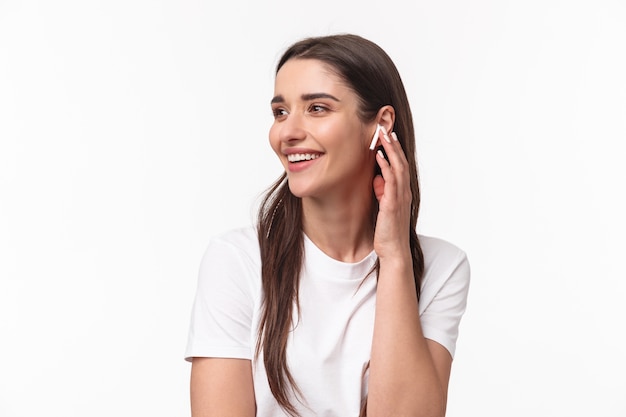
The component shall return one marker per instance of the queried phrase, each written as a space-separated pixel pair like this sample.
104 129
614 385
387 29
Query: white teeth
297 157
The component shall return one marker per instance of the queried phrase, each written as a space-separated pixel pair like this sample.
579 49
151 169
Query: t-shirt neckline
318 262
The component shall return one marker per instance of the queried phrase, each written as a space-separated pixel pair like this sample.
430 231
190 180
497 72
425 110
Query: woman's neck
342 228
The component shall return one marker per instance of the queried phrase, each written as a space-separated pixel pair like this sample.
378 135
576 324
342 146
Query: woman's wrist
399 264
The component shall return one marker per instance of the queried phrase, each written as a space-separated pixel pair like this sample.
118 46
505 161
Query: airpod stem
375 138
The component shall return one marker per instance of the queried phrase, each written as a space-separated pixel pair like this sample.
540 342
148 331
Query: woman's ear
386 117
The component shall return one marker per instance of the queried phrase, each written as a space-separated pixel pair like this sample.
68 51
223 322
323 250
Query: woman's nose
292 128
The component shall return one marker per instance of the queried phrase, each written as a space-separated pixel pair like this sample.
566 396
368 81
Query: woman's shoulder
241 242
436 248
445 288
443 260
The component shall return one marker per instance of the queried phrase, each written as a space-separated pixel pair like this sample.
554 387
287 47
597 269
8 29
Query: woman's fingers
393 191
395 170
379 186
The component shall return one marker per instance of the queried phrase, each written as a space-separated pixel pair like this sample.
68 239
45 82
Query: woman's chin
297 191
300 190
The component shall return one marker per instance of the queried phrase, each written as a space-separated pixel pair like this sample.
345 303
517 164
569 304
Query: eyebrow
306 97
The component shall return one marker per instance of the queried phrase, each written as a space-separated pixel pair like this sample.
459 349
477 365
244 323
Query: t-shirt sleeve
222 313
444 294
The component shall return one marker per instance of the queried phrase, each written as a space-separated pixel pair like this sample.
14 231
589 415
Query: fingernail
394 136
380 153
385 135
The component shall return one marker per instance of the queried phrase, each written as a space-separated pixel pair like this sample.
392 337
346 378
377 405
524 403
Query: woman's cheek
273 138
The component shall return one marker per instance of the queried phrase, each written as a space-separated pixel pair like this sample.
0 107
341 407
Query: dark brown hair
372 75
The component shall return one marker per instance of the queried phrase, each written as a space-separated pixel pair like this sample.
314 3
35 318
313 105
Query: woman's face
317 133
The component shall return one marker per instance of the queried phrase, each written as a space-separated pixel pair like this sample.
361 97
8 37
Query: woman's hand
408 374
393 191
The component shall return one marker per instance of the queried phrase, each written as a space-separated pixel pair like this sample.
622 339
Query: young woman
333 306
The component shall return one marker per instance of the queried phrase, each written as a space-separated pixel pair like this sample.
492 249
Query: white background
131 131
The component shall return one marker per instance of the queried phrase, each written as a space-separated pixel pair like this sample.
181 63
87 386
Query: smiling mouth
300 157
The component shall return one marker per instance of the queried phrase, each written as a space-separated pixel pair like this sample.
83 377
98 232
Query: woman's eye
317 108
278 112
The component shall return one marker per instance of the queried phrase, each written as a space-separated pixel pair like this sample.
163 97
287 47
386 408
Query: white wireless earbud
375 138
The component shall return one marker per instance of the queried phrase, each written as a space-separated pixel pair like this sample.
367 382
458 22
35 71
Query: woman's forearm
403 378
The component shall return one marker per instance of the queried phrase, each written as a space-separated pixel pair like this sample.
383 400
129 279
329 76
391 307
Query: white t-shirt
329 348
